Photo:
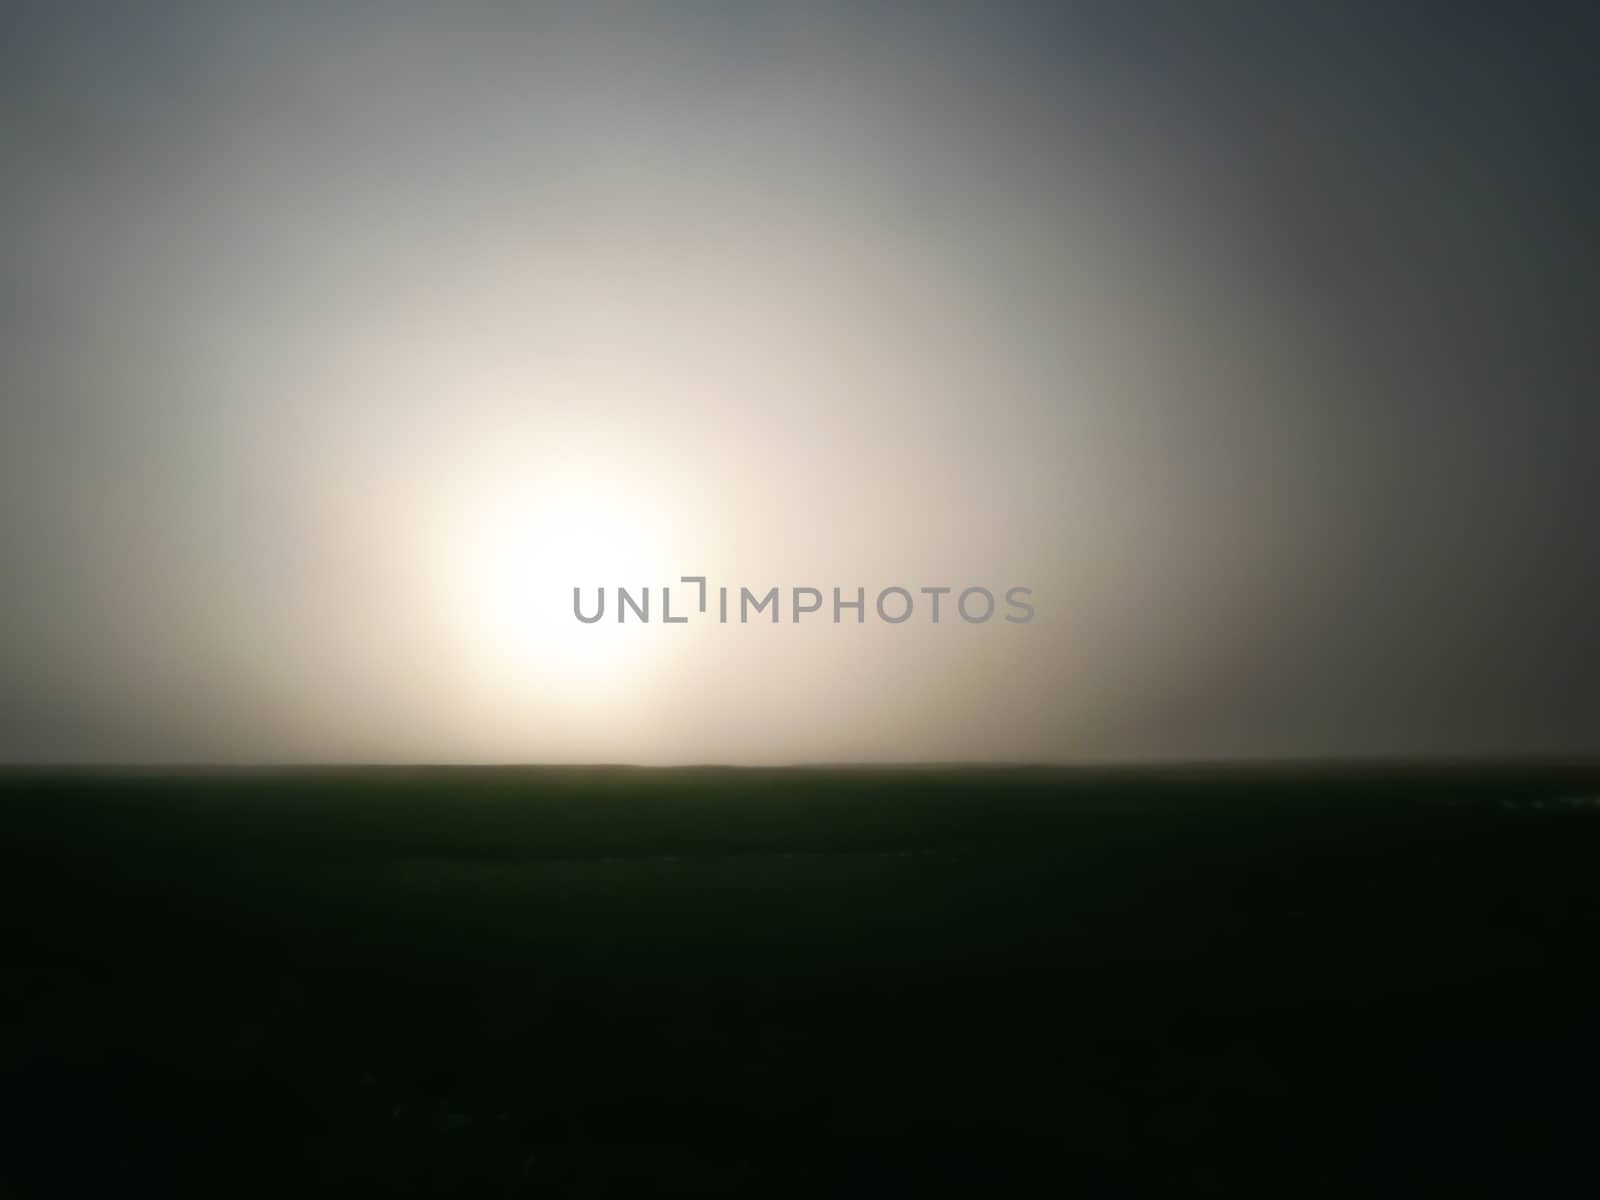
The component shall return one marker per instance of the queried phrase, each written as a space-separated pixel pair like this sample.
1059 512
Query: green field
578 981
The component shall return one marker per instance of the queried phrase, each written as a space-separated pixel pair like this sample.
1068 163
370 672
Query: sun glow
583 528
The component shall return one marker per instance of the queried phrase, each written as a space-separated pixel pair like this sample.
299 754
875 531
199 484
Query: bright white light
585 526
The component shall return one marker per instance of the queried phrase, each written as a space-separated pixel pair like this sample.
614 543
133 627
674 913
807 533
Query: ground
585 981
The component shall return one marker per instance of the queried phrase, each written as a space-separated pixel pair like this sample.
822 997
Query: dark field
561 982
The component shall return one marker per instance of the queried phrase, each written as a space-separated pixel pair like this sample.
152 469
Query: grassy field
584 981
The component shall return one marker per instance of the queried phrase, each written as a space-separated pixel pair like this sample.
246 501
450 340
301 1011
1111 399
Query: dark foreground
565 982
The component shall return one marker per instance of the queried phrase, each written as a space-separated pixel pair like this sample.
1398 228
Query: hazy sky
339 342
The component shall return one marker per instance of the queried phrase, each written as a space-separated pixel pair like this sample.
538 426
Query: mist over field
817 599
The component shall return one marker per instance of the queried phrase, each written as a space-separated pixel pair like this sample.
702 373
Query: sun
530 548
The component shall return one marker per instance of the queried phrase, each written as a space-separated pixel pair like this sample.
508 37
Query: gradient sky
340 341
